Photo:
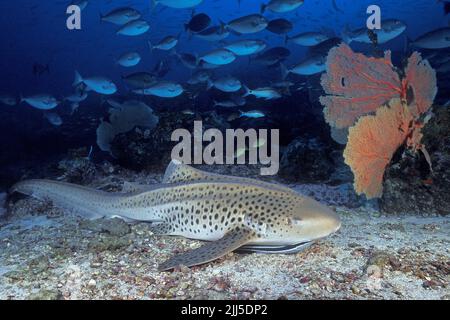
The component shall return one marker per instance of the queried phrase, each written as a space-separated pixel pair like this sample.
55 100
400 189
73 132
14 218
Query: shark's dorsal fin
234 239
178 172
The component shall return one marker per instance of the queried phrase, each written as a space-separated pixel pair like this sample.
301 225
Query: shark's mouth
290 249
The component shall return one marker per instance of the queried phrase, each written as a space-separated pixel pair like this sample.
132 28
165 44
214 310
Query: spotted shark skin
228 212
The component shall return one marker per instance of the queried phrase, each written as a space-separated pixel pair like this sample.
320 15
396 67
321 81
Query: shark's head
310 221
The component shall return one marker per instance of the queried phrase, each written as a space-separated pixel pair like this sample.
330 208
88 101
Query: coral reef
146 149
410 186
356 86
306 160
372 143
131 114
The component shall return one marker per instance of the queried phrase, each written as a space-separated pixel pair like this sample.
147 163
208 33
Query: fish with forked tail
228 212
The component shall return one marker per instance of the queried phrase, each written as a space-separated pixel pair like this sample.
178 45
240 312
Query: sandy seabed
45 254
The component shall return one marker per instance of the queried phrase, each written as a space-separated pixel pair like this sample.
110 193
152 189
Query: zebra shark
228 213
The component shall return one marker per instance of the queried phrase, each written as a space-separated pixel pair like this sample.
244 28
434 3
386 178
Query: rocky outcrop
150 149
410 186
306 160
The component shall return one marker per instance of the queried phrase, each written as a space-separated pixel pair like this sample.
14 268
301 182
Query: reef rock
147 149
78 167
307 160
409 185
2 204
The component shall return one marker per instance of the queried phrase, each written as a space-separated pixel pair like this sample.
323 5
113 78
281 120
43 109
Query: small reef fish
213 34
198 23
272 56
41 101
8 100
246 47
255 114
190 61
229 213
249 24
162 89
200 76
219 57
53 118
280 26
178 4
226 84
121 16
100 85
134 28
262 93
166 44
281 6
309 66
139 80
308 39
390 29
129 59
436 39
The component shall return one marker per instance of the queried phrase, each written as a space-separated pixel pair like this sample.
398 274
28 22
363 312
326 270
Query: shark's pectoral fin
211 250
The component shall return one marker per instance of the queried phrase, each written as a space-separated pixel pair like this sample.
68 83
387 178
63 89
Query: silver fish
121 16
436 39
249 24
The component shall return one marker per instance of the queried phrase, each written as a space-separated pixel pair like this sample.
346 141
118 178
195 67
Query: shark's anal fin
211 250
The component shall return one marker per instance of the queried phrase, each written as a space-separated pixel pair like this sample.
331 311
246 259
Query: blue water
35 31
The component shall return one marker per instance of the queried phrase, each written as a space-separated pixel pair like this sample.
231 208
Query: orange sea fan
372 144
357 85
421 79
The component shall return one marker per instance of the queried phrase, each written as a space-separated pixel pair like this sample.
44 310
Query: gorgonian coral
358 86
373 141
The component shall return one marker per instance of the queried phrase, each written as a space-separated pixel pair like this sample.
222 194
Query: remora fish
229 212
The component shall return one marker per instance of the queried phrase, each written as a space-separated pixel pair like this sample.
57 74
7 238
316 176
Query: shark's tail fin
79 200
